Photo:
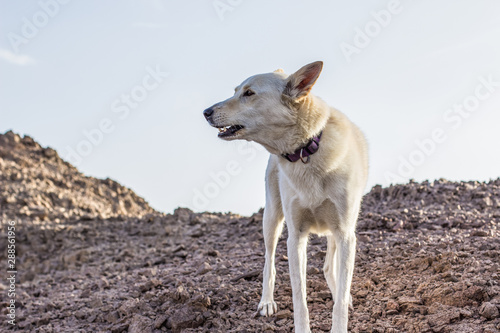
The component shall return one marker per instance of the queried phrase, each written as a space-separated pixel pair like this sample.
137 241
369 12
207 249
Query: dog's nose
208 112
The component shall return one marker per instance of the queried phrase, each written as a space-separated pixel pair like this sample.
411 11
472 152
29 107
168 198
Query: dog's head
264 106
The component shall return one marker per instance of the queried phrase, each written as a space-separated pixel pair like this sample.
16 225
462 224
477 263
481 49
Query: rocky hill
427 258
37 185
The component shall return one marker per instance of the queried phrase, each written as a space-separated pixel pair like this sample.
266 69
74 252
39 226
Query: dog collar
305 152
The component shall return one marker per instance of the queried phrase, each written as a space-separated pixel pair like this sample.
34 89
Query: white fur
322 196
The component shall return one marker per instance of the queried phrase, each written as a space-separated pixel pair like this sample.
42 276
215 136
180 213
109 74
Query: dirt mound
37 185
427 261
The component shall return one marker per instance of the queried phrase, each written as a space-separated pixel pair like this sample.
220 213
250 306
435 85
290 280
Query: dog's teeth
230 128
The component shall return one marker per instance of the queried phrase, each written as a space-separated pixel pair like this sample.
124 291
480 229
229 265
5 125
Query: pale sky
123 84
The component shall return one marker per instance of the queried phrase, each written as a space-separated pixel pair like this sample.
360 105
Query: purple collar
305 152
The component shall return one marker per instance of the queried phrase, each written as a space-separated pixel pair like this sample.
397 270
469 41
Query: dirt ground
94 257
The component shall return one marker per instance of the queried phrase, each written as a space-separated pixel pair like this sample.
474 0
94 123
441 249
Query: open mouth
228 131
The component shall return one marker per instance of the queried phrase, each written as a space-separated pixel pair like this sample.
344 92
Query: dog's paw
267 309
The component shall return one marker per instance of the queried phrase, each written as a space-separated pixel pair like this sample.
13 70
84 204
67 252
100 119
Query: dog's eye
248 92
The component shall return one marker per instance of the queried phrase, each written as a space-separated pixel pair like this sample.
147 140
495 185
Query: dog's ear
299 84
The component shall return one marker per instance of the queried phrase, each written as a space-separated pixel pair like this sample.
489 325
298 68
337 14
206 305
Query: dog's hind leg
272 228
329 265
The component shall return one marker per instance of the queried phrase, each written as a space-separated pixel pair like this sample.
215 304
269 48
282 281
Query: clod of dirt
489 311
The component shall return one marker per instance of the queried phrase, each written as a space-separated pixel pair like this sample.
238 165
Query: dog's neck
311 119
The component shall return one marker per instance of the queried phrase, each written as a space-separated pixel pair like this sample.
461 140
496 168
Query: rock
85 294
49 152
479 233
475 293
324 294
313 270
12 137
140 324
119 328
443 318
112 317
185 318
213 253
489 311
183 214
247 276
39 212
28 141
204 268
362 293
81 314
96 302
392 312
160 320
44 320
392 305
143 287
408 300
410 304
283 314
129 307
180 294
200 301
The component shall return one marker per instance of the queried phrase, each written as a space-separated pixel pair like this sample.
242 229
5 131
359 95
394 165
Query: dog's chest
305 184
312 198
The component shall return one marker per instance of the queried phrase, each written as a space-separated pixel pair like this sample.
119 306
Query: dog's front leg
297 260
272 228
346 250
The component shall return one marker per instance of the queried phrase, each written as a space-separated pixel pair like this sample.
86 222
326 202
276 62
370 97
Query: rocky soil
427 258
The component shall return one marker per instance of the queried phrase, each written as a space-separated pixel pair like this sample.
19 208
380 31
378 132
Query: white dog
315 179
